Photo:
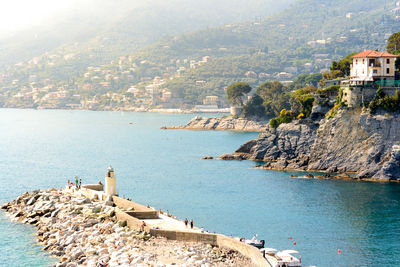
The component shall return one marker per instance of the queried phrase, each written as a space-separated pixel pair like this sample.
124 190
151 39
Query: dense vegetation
340 69
301 103
306 79
273 99
254 108
385 102
393 45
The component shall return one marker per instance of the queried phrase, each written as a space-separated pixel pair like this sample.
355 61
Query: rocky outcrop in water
225 123
85 232
352 141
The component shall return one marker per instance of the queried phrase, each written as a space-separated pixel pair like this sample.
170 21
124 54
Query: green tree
254 107
236 91
303 80
302 100
343 65
393 45
274 96
338 69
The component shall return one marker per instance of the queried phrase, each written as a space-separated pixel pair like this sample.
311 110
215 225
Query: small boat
283 258
255 242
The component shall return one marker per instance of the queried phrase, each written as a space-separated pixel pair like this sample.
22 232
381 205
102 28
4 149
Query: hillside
182 70
304 38
115 28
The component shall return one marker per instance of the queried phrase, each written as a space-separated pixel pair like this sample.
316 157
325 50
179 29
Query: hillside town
120 85
139 83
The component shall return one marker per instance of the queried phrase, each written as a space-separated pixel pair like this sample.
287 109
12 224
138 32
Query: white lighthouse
110 182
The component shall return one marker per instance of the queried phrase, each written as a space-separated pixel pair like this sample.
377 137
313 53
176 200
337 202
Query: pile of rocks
85 232
224 123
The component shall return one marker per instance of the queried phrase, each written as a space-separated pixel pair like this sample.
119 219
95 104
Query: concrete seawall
173 229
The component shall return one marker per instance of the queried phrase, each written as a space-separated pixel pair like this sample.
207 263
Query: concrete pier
138 216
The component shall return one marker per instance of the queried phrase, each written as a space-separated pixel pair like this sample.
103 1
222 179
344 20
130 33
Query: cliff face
352 141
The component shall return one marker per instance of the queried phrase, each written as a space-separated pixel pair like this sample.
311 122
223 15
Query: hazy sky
17 14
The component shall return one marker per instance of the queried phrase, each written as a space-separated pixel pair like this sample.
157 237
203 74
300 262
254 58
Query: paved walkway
168 223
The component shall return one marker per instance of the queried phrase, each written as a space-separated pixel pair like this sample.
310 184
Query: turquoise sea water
42 149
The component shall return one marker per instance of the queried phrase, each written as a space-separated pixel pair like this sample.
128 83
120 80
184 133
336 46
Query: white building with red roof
369 71
370 66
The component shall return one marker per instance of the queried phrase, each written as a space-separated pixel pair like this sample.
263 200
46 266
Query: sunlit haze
19 14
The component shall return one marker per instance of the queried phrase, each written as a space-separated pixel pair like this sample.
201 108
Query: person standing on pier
186 222
76 182
191 223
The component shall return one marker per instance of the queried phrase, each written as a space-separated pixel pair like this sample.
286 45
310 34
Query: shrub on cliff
332 88
274 122
331 113
339 103
285 116
385 102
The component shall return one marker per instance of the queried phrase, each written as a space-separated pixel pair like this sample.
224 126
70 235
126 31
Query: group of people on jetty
186 220
191 223
77 184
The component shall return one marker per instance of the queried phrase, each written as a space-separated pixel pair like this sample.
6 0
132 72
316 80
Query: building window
375 71
388 61
387 70
372 62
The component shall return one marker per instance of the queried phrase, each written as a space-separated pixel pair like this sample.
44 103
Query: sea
41 149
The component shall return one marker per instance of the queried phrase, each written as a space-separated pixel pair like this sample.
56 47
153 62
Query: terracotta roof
373 54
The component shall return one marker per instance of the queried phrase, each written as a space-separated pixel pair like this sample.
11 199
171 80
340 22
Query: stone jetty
83 231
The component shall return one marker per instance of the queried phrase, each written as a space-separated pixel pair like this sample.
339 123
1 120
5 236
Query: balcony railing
388 83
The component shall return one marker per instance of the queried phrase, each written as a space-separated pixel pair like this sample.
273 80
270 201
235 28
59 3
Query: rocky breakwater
85 232
224 123
351 142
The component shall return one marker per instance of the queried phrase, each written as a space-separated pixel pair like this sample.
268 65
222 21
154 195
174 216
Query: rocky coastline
85 232
223 124
353 141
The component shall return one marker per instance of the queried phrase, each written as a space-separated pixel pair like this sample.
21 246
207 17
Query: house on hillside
211 100
371 66
369 71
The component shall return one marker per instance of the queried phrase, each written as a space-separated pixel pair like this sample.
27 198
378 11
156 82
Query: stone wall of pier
206 238
249 251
